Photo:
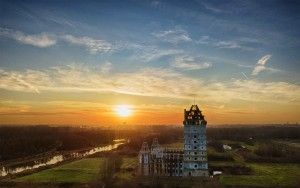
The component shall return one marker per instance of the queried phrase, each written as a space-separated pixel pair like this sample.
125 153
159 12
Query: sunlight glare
123 110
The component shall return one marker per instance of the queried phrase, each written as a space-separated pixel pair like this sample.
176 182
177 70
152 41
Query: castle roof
194 116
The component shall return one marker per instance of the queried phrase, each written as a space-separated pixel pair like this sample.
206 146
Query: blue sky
211 45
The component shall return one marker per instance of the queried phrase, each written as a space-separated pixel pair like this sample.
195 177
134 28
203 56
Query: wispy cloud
212 8
156 82
41 40
261 65
226 44
173 36
189 63
106 67
155 4
150 53
19 82
91 44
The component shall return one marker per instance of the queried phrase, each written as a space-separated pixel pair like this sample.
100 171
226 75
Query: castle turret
195 153
144 159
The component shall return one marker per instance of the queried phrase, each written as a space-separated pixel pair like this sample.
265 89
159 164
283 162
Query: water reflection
59 158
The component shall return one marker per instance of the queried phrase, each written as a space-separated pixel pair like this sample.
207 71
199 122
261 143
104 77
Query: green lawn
129 163
127 169
81 171
266 175
293 143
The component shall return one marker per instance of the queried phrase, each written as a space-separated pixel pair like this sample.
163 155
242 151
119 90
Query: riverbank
10 171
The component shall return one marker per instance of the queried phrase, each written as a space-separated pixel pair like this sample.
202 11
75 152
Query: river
4 171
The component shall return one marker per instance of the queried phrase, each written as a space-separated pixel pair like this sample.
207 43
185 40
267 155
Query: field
260 174
87 171
81 171
121 170
266 175
263 162
127 169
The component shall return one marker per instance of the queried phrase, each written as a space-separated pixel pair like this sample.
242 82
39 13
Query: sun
123 110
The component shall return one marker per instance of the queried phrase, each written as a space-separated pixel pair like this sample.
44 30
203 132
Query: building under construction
188 161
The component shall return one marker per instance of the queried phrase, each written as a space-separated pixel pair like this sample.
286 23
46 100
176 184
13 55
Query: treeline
164 134
19 142
250 132
271 151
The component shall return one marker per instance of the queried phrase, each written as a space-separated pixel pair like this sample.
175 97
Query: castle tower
144 159
156 164
195 154
156 149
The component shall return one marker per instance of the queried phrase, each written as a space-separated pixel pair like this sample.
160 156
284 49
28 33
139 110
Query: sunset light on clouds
79 64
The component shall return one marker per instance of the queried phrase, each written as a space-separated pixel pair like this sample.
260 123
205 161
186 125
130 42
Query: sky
75 62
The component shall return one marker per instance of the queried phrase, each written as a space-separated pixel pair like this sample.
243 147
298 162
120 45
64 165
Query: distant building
188 161
226 147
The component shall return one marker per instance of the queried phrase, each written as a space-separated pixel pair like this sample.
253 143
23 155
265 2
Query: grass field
266 175
91 169
293 143
81 171
129 163
127 169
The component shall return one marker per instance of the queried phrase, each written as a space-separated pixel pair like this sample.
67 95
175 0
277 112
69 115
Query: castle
188 161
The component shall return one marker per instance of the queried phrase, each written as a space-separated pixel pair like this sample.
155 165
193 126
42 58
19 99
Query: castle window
195 136
195 147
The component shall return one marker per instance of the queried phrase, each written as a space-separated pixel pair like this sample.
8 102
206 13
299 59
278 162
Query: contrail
245 75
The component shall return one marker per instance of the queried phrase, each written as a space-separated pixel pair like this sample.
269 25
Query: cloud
106 67
173 36
257 69
203 40
260 65
41 40
212 8
263 60
18 82
189 63
155 4
158 53
150 53
155 82
228 44
91 44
